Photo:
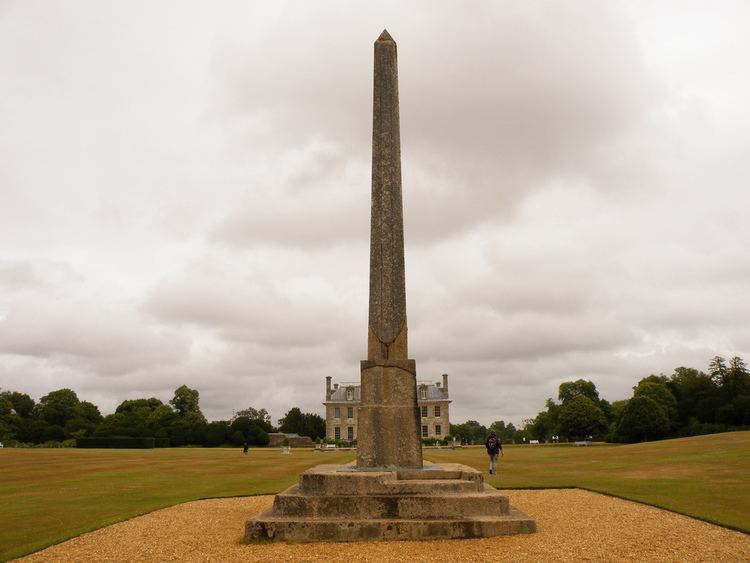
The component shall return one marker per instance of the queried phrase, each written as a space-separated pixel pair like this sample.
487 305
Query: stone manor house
342 403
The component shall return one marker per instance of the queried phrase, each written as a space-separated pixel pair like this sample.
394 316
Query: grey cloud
192 206
251 311
84 335
25 275
319 199
493 106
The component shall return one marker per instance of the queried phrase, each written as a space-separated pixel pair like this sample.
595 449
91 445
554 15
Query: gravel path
573 525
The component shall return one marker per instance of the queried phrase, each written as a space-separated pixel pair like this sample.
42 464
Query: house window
438 430
423 393
349 393
349 412
437 411
424 432
350 433
337 433
337 412
424 412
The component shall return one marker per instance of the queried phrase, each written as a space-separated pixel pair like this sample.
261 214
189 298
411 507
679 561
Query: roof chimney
445 384
328 388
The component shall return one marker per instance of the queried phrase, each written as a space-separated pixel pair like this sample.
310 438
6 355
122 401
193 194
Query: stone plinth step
436 486
325 480
293 503
431 474
340 503
276 528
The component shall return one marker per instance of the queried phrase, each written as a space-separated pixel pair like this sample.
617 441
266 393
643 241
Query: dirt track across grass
573 524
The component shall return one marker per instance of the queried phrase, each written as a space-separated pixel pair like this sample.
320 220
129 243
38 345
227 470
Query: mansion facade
342 403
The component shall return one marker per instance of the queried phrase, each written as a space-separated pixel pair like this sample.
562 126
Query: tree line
689 402
60 417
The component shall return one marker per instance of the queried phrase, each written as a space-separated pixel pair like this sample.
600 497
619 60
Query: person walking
494 449
245 448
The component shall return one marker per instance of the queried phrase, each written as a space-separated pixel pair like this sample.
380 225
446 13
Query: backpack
492 443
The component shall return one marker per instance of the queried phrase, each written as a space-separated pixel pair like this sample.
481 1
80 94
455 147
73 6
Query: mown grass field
51 495
48 495
707 477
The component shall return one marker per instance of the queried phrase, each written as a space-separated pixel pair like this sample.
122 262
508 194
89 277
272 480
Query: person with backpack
494 449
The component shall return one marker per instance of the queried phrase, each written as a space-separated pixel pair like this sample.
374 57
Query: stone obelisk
388 495
389 423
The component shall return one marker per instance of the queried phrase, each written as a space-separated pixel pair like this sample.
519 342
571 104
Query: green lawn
706 476
51 495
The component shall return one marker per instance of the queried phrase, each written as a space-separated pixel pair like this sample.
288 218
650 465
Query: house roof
340 394
434 393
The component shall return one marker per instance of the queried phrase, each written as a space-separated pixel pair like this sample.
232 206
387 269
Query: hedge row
118 442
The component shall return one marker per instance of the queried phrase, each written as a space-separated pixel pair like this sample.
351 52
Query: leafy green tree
304 424
196 427
6 418
88 412
470 432
125 424
717 369
23 405
658 379
158 417
580 416
36 431
139 418
256 435
545 424
571 389
737 380
292 421
661 395
504 431
130 405
86 420
217 433
178 432
251 430
185 400
617 407
697 395
261 416
57 407
6 407
642 419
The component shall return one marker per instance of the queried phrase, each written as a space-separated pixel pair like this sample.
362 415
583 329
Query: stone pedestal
388 435
341 503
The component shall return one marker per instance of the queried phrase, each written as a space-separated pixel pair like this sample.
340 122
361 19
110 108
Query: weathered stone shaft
387 318
388 432
389 418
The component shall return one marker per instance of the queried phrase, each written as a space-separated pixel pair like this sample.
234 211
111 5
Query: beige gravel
573 525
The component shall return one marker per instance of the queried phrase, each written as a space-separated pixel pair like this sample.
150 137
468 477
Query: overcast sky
185 193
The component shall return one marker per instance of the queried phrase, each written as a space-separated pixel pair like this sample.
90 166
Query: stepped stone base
340 503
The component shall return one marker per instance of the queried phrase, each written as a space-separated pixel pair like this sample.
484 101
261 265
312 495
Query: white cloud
185 197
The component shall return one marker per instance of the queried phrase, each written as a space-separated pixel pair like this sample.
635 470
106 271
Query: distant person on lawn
244 449
494 448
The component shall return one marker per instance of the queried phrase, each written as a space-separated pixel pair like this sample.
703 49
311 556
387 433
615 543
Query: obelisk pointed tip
385 36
